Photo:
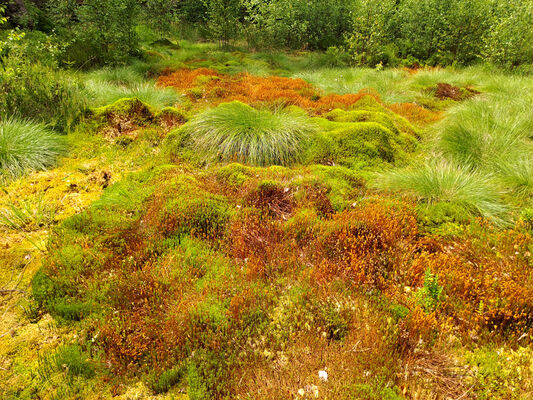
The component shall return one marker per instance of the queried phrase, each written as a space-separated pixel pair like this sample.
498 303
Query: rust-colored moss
208 86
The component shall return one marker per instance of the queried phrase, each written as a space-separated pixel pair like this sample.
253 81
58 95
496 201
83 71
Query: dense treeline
364 32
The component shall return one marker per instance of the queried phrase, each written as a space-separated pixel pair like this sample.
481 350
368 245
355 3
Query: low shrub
35 91
26 146
237 132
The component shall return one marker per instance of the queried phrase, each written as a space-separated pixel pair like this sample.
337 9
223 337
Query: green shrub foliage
314 24
434 32
96 32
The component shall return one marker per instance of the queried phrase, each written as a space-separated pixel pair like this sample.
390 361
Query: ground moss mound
120 118
366 136
369 136
394 122
170 117
354 145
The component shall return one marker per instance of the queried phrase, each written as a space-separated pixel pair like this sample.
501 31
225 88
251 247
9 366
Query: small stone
323 375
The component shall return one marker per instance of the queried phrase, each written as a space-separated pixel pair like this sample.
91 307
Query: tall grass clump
443 181
391 84
494 136
27 145
479 132
517 173
117 76
237 132
102 92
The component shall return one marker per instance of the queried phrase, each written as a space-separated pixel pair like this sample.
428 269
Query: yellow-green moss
234 174
394 122
368 103
169 117
358 145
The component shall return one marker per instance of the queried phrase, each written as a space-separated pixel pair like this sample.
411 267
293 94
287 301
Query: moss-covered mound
170 117
120 118
182 273
366 136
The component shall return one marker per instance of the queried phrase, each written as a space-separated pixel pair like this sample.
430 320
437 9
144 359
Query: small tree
224 20
510 39
367 41
160 14
109 25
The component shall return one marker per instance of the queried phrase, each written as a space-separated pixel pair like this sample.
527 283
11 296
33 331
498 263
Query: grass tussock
103 93
238 132
442 181
108 85
26 145
479 132
492 136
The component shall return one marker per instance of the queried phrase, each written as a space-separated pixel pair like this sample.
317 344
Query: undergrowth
244 276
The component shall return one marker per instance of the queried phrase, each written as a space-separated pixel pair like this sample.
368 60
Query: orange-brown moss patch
208 86
415 113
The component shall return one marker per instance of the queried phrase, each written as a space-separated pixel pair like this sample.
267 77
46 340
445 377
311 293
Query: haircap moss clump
358 145
237 132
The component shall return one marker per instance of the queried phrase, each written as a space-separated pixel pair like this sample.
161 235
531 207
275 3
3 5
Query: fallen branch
9 291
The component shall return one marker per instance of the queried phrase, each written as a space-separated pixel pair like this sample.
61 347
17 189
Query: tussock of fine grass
237 132
445 181
479 132
108 86
392 85
27 145
117 76
494 136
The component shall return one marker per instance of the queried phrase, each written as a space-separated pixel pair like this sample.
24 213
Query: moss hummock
120 118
